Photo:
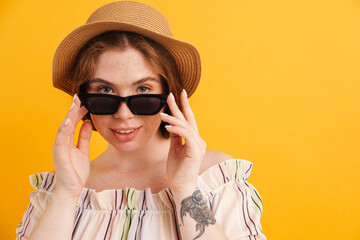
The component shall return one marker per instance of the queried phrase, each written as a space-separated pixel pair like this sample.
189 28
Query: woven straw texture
132 17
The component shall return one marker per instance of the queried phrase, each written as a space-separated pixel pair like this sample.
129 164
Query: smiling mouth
125 131
126 135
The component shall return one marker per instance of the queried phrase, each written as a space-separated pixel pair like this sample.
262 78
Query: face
124 73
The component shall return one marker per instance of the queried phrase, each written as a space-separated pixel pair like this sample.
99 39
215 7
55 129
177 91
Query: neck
153 153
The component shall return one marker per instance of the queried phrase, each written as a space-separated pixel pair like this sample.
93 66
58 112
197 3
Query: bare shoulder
212 158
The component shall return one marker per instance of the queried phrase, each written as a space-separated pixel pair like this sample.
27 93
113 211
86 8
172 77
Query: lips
125 134
125 131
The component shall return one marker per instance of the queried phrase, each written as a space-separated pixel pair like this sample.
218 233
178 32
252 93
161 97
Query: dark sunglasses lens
145 105
102 105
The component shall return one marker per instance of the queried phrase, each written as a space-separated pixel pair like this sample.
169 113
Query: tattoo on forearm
197 209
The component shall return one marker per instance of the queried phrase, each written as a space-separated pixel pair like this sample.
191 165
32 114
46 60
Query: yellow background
280 88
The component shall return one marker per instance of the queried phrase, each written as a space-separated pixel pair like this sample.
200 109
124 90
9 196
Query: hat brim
186 56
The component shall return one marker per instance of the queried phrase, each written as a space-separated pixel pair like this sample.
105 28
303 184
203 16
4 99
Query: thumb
84 136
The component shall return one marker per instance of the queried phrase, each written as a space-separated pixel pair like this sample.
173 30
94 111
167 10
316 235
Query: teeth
125 131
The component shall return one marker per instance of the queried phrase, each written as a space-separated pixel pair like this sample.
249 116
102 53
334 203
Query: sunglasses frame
84 96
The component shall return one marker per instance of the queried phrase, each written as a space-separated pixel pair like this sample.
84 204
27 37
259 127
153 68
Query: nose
123 112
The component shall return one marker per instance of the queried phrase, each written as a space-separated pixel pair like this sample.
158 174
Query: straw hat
131 17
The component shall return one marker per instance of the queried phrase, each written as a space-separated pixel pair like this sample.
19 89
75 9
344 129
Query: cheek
153 122
98 121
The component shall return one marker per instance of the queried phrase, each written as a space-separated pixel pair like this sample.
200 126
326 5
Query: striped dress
139 214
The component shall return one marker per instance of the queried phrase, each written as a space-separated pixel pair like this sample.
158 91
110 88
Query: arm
236 204
72 166
57 220
184 161
195 218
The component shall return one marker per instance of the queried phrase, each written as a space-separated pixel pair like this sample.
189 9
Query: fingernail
168 126
67 121
75 95
172 96
185 92
72 106
164 114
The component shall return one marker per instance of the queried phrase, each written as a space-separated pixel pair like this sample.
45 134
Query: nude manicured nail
168 126
164 114
67 121
185 92
74 98
172 96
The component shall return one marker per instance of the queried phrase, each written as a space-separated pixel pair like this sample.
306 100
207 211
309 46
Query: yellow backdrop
280 88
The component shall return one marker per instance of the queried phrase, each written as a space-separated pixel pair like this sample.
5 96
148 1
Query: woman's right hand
72 163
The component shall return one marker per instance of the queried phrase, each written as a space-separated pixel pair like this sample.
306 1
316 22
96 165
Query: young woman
131 81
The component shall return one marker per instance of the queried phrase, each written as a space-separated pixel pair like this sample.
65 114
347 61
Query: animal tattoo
197 209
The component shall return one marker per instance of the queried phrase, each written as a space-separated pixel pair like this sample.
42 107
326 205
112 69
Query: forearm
57 221
195 218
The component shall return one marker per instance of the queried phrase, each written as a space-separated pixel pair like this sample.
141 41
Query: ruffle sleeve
43 183
235 203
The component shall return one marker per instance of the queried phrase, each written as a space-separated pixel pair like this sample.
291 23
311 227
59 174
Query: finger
187 135
68 126
174 121
77 113
70 115
175 111
186 110
62 136
80 114
84 136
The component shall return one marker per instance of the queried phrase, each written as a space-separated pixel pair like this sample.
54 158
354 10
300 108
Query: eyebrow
145 79
99 80
138 82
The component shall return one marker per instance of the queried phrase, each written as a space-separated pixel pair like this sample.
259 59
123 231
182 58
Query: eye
105 89
143 89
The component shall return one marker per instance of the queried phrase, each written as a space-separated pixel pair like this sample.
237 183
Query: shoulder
212 158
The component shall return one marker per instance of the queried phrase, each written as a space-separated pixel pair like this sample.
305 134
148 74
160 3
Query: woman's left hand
184 159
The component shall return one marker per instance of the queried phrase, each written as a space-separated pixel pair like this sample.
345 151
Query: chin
129 146
126 147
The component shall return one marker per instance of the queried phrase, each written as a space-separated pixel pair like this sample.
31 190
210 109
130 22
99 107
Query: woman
131 81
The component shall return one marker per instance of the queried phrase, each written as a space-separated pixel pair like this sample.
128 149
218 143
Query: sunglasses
106 104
